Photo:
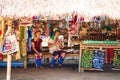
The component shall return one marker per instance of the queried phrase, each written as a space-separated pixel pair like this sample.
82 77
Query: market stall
96 54
78 20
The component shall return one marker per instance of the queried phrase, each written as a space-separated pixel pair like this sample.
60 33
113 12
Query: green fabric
109 28
100 42
22 28
52 36
116 60
87 57
49 25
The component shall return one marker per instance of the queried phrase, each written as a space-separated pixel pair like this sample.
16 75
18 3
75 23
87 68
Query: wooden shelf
82 69
94 47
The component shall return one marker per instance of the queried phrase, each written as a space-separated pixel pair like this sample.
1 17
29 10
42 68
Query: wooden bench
47 55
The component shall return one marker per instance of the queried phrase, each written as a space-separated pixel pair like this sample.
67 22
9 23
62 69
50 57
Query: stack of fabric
116 60
98 60
87 57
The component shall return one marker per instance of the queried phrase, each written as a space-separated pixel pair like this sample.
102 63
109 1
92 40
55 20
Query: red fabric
117 33
37 45
82 19
0 32
1 56
74 19
110 55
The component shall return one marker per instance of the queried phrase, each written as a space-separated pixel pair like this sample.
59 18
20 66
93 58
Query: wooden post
8 67
25 62
80 56
69 39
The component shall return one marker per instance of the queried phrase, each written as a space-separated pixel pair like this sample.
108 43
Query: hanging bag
9 44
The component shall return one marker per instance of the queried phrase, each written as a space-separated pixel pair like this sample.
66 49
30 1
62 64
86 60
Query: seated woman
37 48
55 49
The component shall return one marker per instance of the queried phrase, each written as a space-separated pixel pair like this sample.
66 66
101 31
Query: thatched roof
87 8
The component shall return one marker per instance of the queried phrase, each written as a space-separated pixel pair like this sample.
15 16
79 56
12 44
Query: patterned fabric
54 48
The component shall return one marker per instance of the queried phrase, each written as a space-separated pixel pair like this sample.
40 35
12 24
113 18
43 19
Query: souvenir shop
89 30
96 43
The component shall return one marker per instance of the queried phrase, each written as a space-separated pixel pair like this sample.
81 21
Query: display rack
93 47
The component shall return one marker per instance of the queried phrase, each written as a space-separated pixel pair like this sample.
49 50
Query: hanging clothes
1 56
47 30
17 33
2 27
51 32
23 49
29 39
110 55
18 56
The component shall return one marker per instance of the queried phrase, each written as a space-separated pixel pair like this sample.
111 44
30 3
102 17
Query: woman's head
57 33
37 34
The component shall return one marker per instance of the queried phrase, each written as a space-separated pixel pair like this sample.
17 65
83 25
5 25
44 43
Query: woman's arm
41 48
60 44
50 45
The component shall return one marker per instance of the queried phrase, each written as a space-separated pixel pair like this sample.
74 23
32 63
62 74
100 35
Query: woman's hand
59 43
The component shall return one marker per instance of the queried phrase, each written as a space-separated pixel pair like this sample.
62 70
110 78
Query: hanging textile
29 39
1 56
110 55
17 33
22 29
51 33
23 40
47 30
1 29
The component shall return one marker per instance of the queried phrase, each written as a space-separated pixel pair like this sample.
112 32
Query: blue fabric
53 62
55 53
98 60
38 62
61 60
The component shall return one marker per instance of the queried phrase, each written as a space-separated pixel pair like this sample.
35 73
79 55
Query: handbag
10 44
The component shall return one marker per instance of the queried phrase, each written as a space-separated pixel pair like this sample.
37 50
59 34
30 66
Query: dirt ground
67 72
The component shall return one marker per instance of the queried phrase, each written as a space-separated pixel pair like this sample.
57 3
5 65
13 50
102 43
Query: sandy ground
67 72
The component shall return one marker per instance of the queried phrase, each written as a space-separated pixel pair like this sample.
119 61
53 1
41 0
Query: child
37 48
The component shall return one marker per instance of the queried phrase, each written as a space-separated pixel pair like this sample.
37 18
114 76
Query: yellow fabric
5 58
18 53
23 44
2 26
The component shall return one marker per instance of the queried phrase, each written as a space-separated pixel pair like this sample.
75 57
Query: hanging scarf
1 29
110 55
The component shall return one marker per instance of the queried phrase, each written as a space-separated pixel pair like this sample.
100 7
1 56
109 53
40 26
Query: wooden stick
80 56
8 67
